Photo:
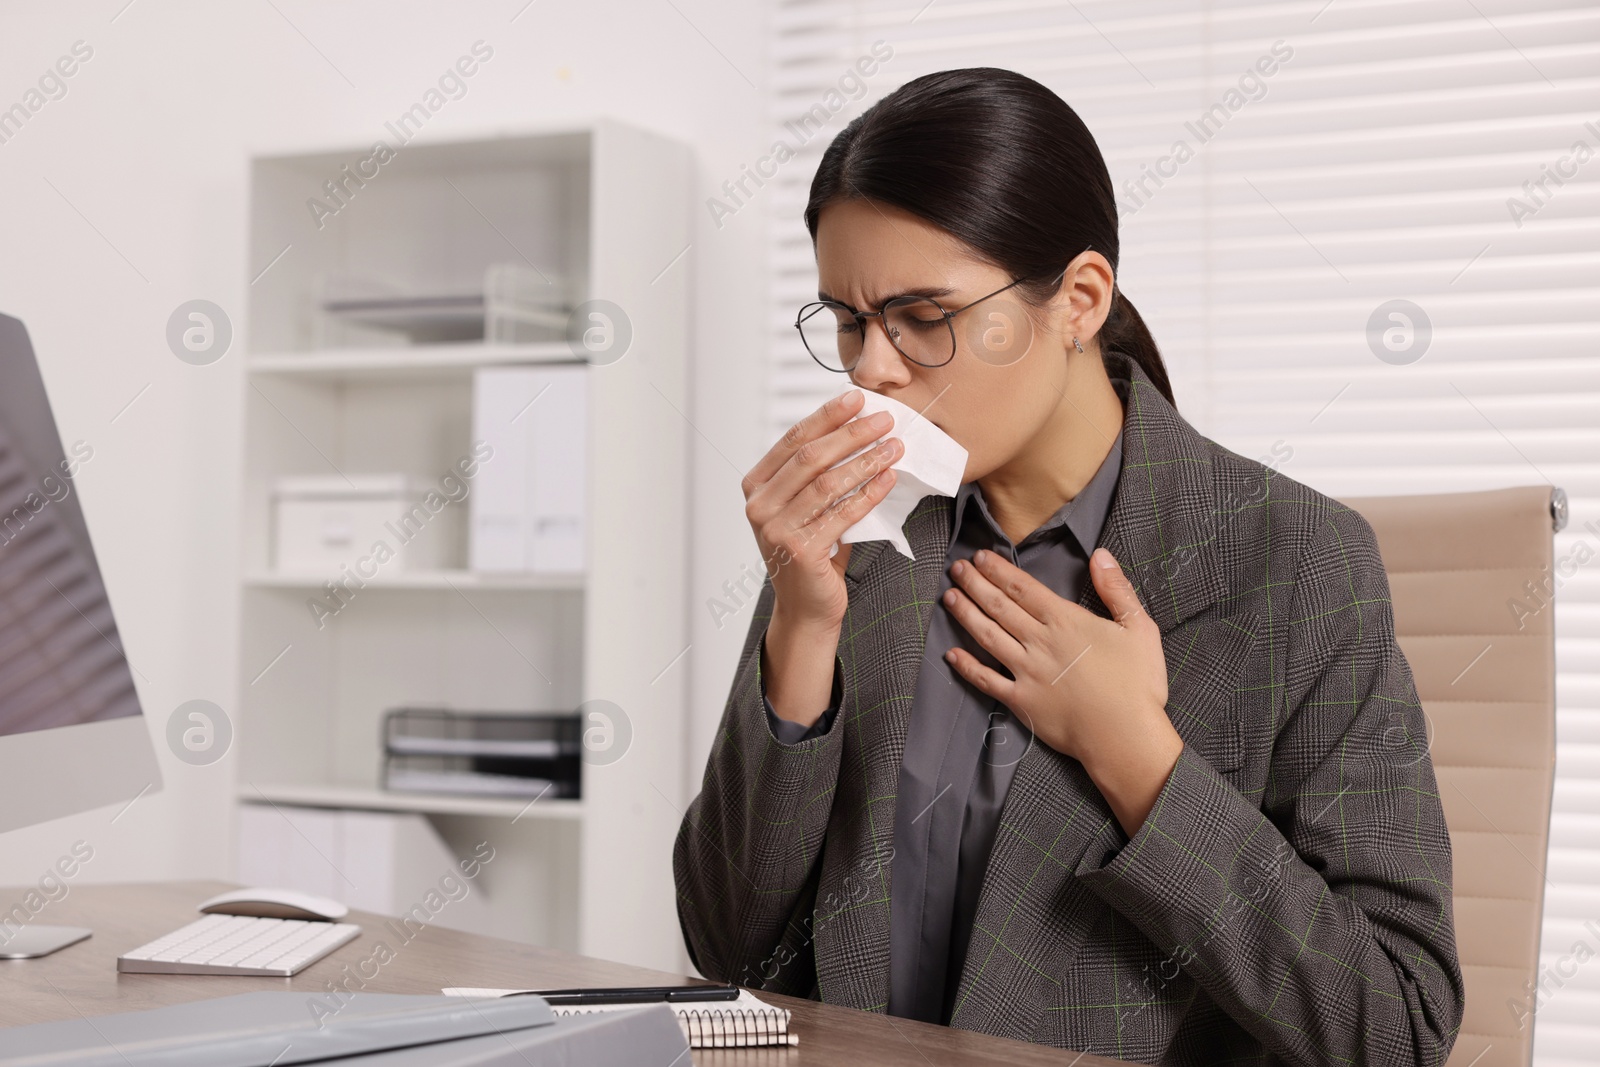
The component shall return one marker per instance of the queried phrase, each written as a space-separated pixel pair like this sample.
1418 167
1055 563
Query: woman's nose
881 363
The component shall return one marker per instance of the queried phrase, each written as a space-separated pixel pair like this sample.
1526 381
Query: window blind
1383 258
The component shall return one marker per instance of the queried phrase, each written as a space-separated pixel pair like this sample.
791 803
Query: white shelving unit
603 212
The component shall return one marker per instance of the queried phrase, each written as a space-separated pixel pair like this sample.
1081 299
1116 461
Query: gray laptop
276 1029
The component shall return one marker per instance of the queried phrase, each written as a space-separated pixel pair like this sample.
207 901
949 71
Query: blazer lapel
1162 523
881 645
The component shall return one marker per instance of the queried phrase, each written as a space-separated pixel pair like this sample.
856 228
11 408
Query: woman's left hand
1091 688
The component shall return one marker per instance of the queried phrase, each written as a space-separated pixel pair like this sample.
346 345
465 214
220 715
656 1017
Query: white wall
149 147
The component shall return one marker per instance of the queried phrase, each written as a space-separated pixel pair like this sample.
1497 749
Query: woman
1127 759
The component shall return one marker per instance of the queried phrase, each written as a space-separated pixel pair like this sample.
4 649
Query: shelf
359 353
447 580
343 796
413 361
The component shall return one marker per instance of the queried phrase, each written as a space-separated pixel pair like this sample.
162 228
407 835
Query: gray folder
372 1029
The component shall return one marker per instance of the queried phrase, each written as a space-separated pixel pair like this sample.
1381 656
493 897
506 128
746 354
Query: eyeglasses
919 327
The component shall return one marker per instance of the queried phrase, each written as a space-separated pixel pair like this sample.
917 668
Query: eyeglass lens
916 326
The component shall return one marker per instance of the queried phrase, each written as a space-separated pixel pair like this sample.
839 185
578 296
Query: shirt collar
1084 515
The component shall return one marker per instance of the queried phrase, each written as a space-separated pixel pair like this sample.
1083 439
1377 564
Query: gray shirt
962 749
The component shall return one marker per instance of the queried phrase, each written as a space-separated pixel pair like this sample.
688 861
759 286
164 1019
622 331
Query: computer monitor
72 735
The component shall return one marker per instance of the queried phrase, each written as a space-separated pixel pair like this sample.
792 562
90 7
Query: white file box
326 522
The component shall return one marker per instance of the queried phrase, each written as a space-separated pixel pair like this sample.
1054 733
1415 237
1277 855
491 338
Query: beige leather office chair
1459 565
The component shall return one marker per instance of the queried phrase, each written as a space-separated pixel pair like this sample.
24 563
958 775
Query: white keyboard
236 944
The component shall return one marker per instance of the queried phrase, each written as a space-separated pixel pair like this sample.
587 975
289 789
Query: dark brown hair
1002 163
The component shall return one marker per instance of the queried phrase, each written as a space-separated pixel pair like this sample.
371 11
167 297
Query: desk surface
83 980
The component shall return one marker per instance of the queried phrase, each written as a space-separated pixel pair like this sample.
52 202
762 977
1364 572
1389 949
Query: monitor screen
61 658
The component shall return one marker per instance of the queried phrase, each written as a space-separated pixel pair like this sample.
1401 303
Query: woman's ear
1084 297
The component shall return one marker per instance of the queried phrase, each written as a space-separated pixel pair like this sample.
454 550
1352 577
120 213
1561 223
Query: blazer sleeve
792 733
1321 921
747 850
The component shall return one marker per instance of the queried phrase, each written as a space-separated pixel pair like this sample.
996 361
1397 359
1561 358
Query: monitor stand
32 941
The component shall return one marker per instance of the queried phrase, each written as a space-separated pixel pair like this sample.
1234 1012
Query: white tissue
932 462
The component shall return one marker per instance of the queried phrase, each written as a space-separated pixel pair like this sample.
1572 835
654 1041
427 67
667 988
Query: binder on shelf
523 754
528 508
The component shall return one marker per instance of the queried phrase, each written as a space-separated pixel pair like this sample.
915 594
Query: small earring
1076 345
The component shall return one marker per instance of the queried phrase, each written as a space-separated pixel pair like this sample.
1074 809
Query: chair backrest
1472 581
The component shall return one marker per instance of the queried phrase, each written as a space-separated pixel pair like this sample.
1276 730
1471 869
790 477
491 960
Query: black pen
637 994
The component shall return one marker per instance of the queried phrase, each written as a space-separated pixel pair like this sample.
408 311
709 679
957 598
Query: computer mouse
275 904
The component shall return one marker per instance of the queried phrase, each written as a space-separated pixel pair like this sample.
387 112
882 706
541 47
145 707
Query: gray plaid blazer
1288 898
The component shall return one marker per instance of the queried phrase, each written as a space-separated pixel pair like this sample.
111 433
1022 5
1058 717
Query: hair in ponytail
1124 331
1001 163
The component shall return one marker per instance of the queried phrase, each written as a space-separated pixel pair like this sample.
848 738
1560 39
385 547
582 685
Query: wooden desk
83 979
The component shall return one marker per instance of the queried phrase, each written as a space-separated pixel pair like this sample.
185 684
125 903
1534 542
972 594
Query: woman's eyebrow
930 291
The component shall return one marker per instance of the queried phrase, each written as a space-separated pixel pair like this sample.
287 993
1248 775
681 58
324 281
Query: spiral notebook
743 1023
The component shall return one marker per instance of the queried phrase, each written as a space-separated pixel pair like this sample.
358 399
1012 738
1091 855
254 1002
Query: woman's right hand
792 501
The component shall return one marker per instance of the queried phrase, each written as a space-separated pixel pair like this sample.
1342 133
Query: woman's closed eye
845 324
